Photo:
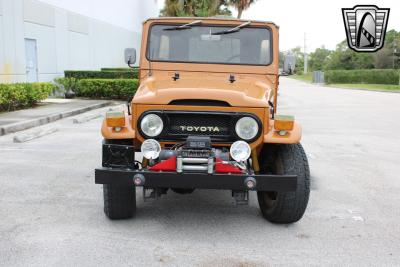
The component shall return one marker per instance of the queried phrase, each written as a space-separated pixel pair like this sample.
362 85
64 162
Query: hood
245 91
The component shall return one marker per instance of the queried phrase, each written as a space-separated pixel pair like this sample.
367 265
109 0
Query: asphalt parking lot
51 210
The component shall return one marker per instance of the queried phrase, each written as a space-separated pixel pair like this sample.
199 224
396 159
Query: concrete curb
363 89
86 118
33 134
20 126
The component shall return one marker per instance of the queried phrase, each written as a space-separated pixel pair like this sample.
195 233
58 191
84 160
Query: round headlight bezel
144 131
247 119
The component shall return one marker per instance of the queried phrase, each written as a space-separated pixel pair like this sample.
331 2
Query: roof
211 18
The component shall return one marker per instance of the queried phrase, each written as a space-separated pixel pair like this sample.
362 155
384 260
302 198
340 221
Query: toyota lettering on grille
200 129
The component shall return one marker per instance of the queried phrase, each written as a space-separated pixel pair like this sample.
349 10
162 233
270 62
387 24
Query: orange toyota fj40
205 117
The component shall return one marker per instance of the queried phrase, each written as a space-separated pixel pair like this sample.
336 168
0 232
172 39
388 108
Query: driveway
51 210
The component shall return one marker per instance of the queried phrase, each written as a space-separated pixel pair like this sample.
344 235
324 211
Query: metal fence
318 77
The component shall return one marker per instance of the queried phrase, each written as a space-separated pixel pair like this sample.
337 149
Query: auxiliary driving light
240 151
151 149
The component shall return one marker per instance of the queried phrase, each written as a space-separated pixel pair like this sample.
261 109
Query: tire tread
119 201
290 206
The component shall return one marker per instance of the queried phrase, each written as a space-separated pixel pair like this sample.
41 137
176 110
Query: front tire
285 207
119 201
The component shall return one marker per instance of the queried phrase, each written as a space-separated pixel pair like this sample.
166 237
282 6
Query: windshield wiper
236 29
183 27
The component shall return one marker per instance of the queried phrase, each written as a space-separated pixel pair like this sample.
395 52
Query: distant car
205 116
283 74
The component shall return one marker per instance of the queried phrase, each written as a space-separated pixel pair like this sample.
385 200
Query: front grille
199 124
178 125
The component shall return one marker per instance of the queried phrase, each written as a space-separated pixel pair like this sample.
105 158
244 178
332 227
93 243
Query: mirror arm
130 65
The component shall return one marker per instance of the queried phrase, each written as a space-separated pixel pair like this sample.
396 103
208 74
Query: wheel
183 191
285 207
119 201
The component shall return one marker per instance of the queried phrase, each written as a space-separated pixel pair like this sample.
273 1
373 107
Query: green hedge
362 76
91 74
106 88
120 69
22 95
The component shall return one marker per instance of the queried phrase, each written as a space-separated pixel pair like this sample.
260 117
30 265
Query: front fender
127 132
291 137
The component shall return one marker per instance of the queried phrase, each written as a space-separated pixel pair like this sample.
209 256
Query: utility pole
305 55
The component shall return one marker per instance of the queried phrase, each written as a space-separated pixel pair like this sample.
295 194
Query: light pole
305 55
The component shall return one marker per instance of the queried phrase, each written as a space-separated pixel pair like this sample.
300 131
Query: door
31 60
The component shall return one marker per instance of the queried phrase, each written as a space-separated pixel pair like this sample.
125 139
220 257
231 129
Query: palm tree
195 8
241 5
173 8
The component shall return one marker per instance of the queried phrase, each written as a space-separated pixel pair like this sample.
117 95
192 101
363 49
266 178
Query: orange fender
291 137
127 132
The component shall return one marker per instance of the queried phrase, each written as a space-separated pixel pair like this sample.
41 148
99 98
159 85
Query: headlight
151 149
246 128
240 151
151 125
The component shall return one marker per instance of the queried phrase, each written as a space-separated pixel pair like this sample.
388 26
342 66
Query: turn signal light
115 119
284 122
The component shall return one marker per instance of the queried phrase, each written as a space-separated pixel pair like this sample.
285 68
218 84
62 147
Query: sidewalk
47 111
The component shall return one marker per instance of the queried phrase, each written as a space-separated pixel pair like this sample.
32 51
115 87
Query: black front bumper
280 183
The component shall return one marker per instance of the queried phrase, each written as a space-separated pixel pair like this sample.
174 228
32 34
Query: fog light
250 183
240 151
138 179
151 149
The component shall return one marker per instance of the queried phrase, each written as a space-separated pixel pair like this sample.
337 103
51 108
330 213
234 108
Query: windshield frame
266 27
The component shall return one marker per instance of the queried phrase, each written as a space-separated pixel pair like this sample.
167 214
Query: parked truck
205 116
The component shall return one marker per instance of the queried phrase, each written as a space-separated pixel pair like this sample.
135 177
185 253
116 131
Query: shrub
120 69
81 74
22 95
375 76
106 88
66 84
299 72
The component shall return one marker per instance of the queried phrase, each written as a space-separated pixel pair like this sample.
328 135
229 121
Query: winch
196 155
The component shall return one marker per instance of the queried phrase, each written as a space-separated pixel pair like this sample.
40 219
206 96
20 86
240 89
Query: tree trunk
240 11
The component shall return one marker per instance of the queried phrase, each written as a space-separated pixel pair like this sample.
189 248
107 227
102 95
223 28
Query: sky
321 20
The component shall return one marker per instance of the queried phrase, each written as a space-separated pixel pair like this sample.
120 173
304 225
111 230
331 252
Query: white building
41 39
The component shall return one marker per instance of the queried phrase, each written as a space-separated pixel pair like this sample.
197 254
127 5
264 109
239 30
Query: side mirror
130 56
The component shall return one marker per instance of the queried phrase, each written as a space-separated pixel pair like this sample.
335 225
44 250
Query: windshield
207 44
